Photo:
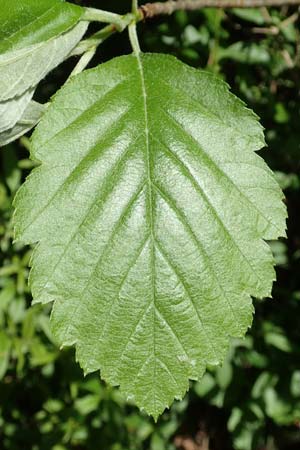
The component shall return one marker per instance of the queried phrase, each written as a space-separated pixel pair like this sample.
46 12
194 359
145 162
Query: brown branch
170 6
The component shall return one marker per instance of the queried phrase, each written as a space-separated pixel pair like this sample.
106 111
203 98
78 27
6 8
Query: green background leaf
27 22
150 208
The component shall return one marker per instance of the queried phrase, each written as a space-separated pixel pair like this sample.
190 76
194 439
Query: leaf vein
187 291
217 168
200 190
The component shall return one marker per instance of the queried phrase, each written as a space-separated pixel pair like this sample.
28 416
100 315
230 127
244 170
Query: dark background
253 401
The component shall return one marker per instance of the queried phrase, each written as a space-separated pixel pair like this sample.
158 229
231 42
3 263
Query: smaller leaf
295 384
253 15
5 345
29 119
12 110
27 22
24 68
278 341
87 404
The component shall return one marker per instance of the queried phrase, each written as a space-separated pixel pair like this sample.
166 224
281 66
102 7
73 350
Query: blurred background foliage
252 402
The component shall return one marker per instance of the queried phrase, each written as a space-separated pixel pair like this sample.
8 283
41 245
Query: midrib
149 209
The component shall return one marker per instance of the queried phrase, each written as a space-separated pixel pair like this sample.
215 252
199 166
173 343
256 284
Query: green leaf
278 408
35 37
5 347
253 15
295 384
12 110
245 54
29 119
151 209
87 404
23 68
27 22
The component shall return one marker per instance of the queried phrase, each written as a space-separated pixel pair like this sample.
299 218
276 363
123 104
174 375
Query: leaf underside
27 121
23 69
12 110
151 209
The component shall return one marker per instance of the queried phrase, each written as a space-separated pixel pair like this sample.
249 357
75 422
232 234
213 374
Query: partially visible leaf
253 15
289 30
234 419
27 22
7 293
22 69
250 54
295 384
278 408
151 209
5 346
192 35
264 381
12 110
205 385
279 341
224 375
85 405
29 119
40 355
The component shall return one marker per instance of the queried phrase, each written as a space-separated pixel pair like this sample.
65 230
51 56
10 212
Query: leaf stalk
134 38
84 61
98 15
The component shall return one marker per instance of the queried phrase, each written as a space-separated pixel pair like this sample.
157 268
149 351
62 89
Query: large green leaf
151 209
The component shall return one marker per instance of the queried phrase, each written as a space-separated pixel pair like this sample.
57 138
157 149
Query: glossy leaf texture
151 210
28 22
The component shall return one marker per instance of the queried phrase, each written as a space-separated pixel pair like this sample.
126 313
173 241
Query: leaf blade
167 236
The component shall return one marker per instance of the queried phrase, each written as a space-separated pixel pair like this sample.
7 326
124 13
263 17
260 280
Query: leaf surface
22 69
151 209
27 22
12 110
27 121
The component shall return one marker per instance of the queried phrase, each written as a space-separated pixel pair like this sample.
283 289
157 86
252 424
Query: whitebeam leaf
12 110
27 121
151 209
27 22
25 68
35 37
